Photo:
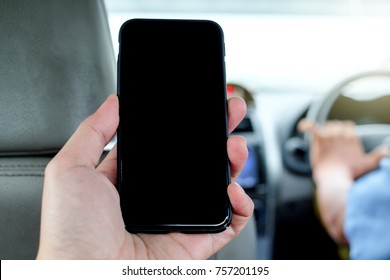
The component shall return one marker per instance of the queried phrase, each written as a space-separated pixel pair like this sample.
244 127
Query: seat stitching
21 175
23 165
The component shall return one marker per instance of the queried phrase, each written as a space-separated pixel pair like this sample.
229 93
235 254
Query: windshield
294 46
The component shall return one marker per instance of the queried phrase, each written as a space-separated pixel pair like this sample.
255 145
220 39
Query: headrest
57 65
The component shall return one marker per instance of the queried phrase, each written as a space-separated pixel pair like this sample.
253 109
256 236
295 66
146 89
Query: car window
298 46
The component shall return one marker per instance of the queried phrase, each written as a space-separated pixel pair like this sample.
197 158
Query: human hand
336 146
81 216
337 158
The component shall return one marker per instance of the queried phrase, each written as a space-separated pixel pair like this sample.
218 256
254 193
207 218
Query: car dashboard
283 196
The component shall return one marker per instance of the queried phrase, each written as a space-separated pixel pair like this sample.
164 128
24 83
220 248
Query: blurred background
299 46
286 57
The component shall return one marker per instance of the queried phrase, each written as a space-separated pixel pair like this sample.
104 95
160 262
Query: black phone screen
173 166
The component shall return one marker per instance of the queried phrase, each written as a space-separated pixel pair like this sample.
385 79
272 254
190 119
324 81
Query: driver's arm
337 159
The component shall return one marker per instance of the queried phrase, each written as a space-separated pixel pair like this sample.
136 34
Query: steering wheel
296 149
371 135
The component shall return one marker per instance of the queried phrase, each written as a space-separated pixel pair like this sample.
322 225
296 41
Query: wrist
332 183
332 174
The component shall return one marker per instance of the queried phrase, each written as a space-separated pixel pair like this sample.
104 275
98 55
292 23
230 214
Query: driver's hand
337 158
336 145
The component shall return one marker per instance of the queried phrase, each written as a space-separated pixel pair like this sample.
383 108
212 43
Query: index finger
236 112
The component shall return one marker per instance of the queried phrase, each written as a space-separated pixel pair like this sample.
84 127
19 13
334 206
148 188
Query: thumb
86 145
375 156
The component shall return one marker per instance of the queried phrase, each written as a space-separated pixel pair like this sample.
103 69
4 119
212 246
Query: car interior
288 60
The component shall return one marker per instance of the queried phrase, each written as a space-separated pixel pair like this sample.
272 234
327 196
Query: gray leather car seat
57 65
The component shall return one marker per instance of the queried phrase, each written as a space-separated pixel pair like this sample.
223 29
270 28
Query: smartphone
173 167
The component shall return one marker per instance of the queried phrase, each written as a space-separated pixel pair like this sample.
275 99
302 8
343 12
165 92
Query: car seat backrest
57 65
